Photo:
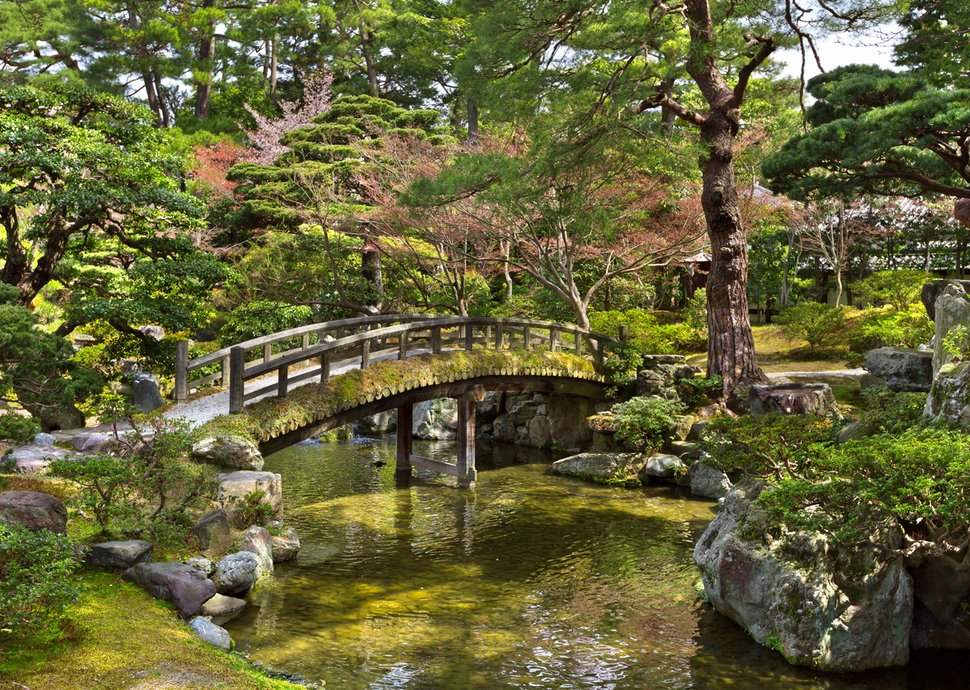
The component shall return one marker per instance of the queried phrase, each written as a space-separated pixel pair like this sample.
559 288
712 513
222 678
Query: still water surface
528 581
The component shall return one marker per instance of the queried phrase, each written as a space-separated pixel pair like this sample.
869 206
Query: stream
528 581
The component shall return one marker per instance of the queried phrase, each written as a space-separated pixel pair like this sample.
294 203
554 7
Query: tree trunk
370 265
273 66
207 50
472 122
730 350
367 48
838 285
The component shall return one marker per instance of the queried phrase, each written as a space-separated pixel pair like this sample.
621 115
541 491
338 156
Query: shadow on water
528 581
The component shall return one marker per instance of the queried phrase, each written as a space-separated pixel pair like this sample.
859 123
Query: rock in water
435 420
797 595
603 468
119 555
257 541
286 546
794 398
663 466
708 482
176 583
901 368
233 452
222 608
33 510
211 633
202 564
236 573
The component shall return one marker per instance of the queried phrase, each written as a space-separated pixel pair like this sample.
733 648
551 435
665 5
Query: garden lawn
777 353
119 637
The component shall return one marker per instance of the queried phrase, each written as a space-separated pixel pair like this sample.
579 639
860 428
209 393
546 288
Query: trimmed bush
646 422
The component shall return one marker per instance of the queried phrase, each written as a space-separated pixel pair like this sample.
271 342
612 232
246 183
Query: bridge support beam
402 456
467 474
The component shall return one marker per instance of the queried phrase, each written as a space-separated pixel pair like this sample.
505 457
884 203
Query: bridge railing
412 334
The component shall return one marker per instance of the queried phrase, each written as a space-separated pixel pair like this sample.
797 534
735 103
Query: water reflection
530 581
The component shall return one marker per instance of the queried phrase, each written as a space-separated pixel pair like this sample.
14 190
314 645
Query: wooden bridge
272 366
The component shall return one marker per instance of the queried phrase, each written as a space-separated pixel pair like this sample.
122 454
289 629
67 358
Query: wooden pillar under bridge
402 456
467 474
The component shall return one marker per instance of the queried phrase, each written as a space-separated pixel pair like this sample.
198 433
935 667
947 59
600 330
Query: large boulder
708 482
212 532
603 468
210 632
539 430
902 369
236 573
233 452
941 619
286 546
119 555
794 398
949 398
33 510
490 406
795 593
258 541
435 420
176 583
234 486
90 442
663 466
948 304
503 428
34 459
145 393
567 421
376 424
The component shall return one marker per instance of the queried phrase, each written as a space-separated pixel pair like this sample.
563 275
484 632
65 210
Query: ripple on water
530 581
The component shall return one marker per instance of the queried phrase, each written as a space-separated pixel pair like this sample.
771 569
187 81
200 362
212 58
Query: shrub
700 391
898 289
261 317
818 324
251 510
766 446
37 579
646 422
888 412
646 335
909 327
17 428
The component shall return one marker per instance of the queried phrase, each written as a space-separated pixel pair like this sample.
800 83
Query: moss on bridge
273 417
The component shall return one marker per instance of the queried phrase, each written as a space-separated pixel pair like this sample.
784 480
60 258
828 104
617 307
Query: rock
949 307
202 564
222 608
234 486
145 394
902 369
33 510
503 429
236 573
176 583
850 432
212 531
868 381
696 432
941 619
490 407
683 423
229 451
794 398
119 555
798 596
708 482
523 412
33 459
44 440
603 468
540 435
662 466
210 632
376 424
90 442
685 449
154 332
513 400
286 546
435 419
949 398
257 540
567 421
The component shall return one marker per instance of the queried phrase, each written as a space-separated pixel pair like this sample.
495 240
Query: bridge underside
467 392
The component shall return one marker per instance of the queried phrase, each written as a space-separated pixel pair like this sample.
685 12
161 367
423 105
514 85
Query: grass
777 353
119 637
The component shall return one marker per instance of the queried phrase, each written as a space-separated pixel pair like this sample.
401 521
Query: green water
528 581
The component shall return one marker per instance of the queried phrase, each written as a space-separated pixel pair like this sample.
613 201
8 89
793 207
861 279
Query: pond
528 581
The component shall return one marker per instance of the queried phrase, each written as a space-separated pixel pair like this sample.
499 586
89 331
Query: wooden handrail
407 330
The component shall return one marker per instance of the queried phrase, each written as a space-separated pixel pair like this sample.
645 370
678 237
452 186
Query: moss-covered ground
777 353
119 637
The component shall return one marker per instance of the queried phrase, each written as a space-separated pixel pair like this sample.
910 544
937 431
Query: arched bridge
373 364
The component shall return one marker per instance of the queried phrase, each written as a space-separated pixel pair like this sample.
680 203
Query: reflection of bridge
358 368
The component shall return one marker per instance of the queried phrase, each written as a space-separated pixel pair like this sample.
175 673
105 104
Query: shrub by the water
17 428
646 422
251 510
37 579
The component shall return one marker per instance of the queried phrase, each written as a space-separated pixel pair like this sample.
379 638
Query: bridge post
182 371
467 474
402 456
237 385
